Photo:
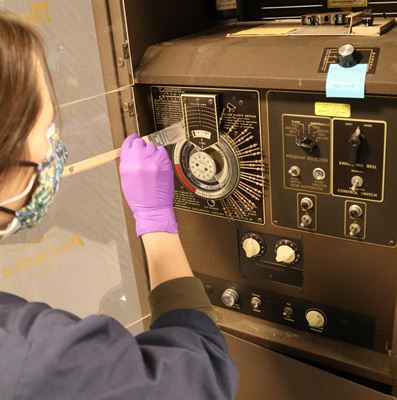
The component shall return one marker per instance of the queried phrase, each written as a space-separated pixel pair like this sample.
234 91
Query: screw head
120 62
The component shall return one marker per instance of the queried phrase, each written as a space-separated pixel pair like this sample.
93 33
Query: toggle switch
306 221
294 171
356 182
288 312
354 229
256 303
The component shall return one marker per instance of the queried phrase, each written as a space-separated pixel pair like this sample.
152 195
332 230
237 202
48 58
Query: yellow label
39 261
226 5
332 109
346 3
38 14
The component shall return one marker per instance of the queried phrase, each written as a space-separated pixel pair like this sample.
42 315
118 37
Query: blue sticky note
346 82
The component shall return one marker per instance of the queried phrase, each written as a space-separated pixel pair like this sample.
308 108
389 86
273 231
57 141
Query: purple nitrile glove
147 180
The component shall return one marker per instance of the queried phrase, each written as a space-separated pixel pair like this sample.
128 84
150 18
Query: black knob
355 142
306 142
368 17
348 56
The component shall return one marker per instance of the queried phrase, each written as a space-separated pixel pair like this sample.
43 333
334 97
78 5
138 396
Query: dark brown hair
20 97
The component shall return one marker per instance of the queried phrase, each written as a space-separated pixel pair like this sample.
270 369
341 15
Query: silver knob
318 174
355 211
230 297
306 203
347 56
354 229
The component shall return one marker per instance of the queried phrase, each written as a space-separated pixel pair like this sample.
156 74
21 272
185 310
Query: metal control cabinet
285 198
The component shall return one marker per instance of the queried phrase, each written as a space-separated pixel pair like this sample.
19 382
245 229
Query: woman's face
37 145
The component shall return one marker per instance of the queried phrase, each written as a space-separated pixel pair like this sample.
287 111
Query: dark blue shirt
54 355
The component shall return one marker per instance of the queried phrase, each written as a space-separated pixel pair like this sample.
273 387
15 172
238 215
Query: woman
51 354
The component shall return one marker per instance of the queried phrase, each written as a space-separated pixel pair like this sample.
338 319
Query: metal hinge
126 54
128 108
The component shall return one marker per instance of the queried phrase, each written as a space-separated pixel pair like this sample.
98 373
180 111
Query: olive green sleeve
186 292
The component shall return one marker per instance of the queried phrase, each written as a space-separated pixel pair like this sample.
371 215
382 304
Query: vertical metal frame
394 355
115 61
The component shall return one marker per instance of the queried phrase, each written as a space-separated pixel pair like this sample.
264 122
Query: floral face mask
47 175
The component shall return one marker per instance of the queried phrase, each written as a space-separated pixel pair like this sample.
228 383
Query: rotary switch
315 319
253 245
306 142
348 56
287 252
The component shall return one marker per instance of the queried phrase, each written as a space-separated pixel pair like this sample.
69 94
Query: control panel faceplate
305 315
337 176
271 257
219 167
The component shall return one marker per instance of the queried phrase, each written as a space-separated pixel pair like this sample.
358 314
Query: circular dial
202 166
287 252
253 245
315 319
212 173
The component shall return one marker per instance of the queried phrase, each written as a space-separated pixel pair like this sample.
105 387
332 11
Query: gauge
202 166
212 173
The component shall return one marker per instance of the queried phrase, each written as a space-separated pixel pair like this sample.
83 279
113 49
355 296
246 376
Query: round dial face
212 173
202 166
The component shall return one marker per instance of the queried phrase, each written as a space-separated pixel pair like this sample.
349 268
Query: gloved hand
147 180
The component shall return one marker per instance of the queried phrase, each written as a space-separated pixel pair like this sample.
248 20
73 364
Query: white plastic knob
285 254
251 247
315 319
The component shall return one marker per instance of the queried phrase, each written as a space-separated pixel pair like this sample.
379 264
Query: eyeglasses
23 194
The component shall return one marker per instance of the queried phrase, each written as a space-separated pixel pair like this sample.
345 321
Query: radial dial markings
221 160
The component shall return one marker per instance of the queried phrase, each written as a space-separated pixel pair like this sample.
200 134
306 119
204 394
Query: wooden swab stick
163 137
92 162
